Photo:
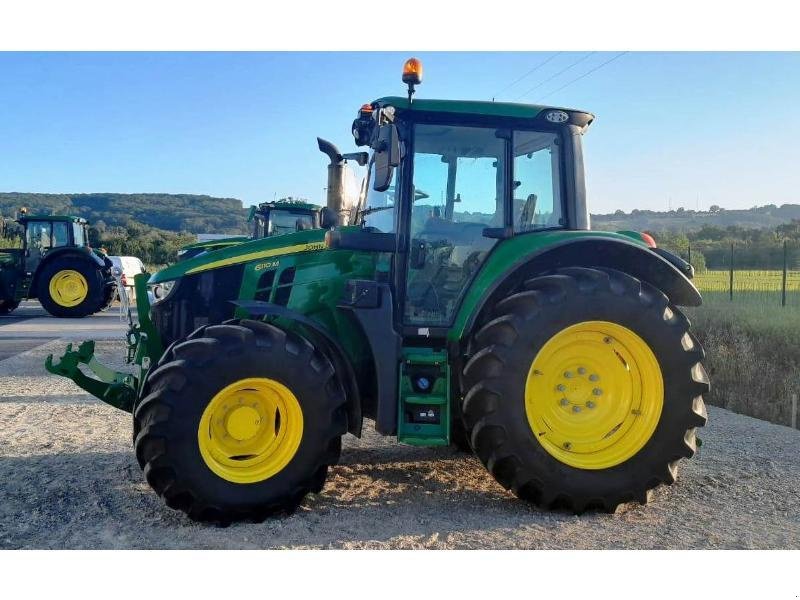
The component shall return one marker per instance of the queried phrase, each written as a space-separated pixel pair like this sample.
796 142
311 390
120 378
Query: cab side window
537 183
60 234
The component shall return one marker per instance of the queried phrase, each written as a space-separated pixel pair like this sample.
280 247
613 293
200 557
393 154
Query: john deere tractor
268 218
56 266
470 303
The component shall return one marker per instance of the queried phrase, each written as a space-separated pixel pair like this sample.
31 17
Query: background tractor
466 301
55 265
268 218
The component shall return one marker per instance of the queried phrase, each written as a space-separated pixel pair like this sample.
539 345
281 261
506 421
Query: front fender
519 258
325 341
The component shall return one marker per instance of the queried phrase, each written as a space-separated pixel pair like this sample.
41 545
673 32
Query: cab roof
67 218
289 205
508 110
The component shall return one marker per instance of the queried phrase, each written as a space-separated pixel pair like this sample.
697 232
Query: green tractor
469 304
56 266
269 218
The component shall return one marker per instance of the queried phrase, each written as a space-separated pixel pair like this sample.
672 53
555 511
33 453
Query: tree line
170 212
710 246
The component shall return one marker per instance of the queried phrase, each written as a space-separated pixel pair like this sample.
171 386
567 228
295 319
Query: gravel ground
68 479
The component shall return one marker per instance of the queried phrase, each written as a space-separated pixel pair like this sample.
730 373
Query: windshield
380 206
283 221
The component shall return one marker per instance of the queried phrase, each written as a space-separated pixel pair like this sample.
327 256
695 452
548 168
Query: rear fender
77 253
609 252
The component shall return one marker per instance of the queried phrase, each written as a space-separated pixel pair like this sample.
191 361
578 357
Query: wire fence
766 275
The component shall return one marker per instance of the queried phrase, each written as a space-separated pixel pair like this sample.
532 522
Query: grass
750 287
752 351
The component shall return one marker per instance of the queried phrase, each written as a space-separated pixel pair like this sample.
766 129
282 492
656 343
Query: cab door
458 193
38 242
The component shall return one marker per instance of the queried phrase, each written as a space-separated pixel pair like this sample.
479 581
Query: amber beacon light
412 75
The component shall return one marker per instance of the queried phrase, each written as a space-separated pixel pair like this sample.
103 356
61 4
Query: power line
564 70
589 72
534 69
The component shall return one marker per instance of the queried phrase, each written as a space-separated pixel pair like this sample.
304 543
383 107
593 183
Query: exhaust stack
336 169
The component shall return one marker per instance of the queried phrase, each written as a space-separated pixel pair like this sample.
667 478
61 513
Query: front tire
583 390
240 421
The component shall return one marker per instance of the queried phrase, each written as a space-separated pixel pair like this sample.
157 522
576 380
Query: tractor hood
228 241
291 243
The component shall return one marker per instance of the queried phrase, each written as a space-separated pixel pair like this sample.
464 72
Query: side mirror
387 157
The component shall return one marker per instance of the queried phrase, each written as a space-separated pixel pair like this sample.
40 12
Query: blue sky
671 127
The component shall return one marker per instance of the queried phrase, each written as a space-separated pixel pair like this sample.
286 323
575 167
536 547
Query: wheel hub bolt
581 370
590 404
567 445
568 374
564 402
561 387
593 377
607 340
576 409
597 392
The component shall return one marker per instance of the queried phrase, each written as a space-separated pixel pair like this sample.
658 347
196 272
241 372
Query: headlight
159 291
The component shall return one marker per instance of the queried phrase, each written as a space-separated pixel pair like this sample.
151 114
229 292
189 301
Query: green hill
758 217
171 212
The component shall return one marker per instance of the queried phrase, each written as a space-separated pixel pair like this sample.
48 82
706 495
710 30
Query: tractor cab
284 216
46 233
449 180
40 235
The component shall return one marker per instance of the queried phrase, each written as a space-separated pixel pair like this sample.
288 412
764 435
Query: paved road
30 326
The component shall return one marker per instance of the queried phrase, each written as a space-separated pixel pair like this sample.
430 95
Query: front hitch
120 390
112 387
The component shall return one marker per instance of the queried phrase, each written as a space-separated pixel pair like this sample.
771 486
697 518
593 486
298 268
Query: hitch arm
112 387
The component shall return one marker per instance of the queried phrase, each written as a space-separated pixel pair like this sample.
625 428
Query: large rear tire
240 421
71 287
583 390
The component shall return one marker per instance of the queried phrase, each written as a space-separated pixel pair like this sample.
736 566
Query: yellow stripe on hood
235 260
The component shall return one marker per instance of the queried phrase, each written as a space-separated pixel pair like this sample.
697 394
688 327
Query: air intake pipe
335 199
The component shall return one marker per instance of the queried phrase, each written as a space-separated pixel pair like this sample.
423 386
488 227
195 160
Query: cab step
424 407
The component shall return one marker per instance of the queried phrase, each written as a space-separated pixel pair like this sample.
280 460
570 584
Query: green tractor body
268 218
55 265
467 302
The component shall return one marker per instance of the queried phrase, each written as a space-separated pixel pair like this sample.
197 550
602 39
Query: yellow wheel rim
68 288
250 430
594 395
